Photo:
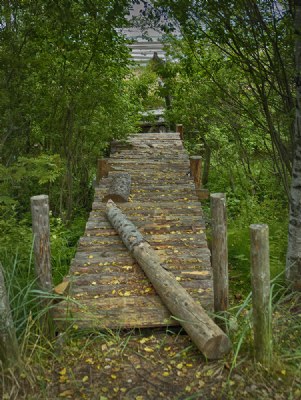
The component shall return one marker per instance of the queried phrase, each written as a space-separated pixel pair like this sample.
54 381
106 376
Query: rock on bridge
108 289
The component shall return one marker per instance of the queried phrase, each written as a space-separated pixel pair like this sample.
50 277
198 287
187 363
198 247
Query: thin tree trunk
293 258
9 351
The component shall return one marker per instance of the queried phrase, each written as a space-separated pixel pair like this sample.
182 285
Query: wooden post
42 257
196 170
41 245
203 194
9 351
260 276
207 336
180 130
219 254
102 169
119 189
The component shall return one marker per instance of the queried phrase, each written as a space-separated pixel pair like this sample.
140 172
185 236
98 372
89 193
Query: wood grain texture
260 277
41 241
219 251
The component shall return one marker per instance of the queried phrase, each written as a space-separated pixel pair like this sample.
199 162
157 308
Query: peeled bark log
207 336
41 243
42 257
9 352
119 189
196 170
260 277
219 252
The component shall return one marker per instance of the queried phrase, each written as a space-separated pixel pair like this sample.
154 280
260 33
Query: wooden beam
180 130
196 170
42 257
119 188
102 169
41 241
260 277
219 251
207 336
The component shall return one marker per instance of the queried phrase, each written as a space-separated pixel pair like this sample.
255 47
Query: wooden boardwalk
108 288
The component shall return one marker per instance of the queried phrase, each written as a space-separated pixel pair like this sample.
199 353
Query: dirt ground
143 365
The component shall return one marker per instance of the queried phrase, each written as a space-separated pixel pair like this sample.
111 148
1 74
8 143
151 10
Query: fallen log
119 188
206 335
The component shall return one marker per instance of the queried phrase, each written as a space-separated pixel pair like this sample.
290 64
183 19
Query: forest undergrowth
158 363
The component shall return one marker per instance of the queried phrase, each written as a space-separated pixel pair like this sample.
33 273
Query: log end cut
119 189
217 347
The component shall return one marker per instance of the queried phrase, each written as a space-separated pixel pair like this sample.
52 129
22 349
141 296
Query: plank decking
108 288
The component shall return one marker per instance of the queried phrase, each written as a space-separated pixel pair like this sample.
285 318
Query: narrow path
109 288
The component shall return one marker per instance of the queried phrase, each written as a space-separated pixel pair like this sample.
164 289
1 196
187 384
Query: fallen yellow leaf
63 371
66 393
148 349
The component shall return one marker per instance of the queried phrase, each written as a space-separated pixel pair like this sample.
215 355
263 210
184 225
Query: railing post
180 130
41 246
42 257
260 276
196 170
9 351
102 169
219 252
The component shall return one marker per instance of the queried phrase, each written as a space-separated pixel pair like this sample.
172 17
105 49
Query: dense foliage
64 95
241 80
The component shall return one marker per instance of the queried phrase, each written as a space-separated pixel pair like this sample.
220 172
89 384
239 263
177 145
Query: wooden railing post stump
180 130
41 249
260 275
102 169
196 170
9 350
219 254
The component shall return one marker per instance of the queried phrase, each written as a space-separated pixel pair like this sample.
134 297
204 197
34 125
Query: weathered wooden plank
165 207
122 312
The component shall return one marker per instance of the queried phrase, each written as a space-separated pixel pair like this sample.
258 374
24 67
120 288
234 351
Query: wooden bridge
108 289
